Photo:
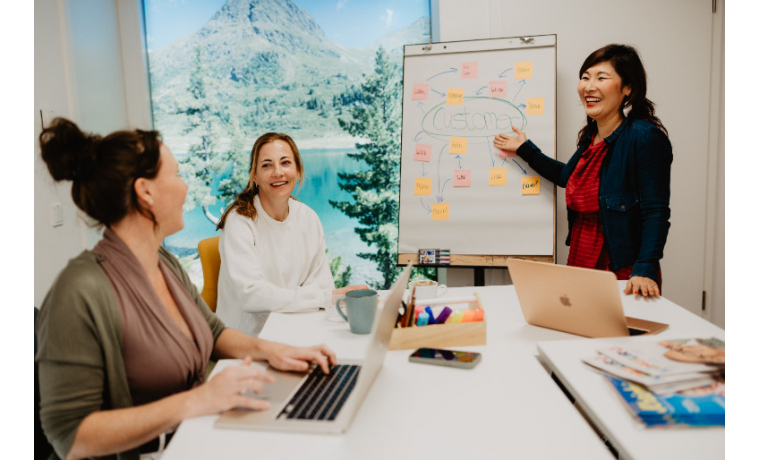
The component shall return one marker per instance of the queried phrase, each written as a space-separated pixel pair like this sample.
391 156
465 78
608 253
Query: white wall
79 73
681 44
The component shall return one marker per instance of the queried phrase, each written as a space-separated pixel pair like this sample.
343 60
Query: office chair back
211 261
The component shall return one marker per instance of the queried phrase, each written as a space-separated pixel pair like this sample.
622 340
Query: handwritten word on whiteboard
423 186
531 185
422 152
440 211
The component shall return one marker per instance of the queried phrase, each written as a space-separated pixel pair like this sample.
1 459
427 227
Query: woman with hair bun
618 180
124 337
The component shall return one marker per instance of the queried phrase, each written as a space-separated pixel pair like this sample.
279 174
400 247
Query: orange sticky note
531 185
423 186
523 70
422 152
455 96
497 176
440 211
535 106
458 145
497 89
461 178
469 70
420 92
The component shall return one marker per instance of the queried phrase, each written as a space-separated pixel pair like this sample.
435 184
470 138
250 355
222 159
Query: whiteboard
456 192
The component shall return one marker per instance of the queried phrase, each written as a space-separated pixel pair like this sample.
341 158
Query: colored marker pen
456 317
468 314
443 316
431 316
478 315
422 319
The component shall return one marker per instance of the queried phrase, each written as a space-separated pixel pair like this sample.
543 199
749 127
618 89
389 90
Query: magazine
705 406
662 384
670 357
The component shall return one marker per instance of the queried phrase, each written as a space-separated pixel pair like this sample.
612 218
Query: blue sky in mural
343 21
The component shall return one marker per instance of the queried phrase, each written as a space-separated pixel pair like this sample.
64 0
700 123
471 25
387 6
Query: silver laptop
576 300
319 403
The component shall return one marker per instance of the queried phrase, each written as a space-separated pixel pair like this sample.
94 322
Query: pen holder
441 335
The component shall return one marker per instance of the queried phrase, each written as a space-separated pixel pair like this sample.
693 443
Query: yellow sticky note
423 186
458 145
497 176
440 211
531 185
535 106
523 70
455 96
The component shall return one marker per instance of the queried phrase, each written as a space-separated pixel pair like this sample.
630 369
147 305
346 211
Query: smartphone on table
452 358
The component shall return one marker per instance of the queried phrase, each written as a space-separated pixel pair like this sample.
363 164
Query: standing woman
618 181
272 246
124 337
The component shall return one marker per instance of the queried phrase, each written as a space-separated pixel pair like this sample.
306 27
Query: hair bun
69 153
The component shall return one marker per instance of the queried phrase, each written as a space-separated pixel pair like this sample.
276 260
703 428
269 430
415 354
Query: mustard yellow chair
208 250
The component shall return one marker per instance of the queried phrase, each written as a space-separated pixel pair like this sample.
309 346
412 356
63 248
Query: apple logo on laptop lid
565 300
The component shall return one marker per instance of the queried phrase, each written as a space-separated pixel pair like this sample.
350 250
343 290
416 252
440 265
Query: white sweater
271 266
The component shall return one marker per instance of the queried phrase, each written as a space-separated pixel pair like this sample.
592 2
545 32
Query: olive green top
80 356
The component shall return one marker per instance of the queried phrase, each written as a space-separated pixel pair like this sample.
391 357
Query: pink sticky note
497 89
461 178
506 153
469 70
422 152
420 92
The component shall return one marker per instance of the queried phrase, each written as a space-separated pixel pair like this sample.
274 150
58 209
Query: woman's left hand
642 285
289 358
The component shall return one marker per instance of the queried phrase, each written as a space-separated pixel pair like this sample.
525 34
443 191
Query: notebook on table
576 300
319 403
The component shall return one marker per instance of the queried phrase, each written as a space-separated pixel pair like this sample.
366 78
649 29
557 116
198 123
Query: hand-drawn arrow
451 69
477 93
440 155
522 83
440 197
424 174
429 210
459 160
417 137
522 106
504 74
490 154
437 92
421 106
518 164
504 162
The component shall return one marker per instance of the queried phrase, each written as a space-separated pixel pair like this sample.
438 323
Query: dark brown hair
243 203
626 62
103 170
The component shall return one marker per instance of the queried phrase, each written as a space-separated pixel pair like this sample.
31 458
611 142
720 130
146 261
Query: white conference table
603 406
506 407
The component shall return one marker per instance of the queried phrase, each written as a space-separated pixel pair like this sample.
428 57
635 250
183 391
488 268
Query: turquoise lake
321 170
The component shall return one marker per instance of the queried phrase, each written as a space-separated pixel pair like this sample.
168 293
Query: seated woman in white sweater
272 246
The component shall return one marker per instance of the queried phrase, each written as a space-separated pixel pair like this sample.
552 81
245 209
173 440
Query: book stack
672 382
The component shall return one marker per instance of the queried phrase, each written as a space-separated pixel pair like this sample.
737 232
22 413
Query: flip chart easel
456 191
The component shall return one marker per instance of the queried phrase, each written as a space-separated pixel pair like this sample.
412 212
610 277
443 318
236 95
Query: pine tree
377 120
203 120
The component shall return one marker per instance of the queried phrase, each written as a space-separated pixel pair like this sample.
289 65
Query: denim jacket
634 192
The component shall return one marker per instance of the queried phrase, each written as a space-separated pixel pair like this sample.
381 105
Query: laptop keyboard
321 396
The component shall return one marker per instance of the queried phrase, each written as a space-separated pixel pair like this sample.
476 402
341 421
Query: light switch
56 215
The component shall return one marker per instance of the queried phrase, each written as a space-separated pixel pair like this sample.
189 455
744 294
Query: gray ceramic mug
360 306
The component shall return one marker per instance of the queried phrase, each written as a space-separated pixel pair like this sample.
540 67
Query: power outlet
56 215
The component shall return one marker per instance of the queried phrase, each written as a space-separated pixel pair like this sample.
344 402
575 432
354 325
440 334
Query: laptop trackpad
276 393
